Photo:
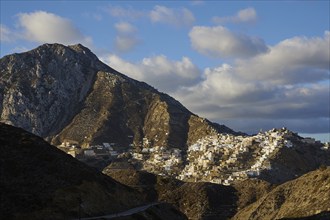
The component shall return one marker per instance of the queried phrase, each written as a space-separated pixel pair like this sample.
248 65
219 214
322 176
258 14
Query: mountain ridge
69 97
61 86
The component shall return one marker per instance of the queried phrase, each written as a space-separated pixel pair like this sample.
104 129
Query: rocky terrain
306 197
66 94
39 181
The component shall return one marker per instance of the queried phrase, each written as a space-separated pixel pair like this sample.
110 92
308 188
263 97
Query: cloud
45 27
159 14
175 17
291 61
6 34
121 12
220 42
289 84
125 28
125 43
158 71
126 38
19 49
247 15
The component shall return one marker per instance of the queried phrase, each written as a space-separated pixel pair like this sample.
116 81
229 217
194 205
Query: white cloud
126 38
292 61
247 15
121 12
288 84
158 71
6 35
125 28
175 17
220 42
45 27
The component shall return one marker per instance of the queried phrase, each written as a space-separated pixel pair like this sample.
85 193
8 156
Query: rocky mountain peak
64 93
42 88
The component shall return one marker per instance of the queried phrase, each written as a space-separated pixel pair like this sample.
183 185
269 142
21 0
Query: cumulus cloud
288 84
45 27
158 71
220 42
292 61
126 38
247 15
175 17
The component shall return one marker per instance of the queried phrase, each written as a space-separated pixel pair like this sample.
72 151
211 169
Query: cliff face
42 89
66 94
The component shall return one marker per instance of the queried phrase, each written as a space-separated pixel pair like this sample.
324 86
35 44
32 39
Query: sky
250 65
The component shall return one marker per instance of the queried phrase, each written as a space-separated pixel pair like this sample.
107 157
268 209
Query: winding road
124 213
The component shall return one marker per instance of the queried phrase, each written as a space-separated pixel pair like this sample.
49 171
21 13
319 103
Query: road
124 213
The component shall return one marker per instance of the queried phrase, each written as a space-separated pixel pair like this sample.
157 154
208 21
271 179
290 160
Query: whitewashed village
221 158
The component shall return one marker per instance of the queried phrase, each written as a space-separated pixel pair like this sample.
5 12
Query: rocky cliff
66 94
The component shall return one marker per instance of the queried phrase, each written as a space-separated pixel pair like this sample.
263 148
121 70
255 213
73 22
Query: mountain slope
39 181
305 196
197 200
66 94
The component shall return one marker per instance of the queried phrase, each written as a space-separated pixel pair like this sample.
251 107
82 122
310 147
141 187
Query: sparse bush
323 167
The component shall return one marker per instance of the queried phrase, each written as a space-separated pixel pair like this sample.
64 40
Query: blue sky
246 64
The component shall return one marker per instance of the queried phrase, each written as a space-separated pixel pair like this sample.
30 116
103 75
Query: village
100 151
221 158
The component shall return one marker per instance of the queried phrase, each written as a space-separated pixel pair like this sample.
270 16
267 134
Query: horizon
235 63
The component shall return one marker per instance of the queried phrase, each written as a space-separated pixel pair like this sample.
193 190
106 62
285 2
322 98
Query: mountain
65 94
68 97
306 197
38 181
